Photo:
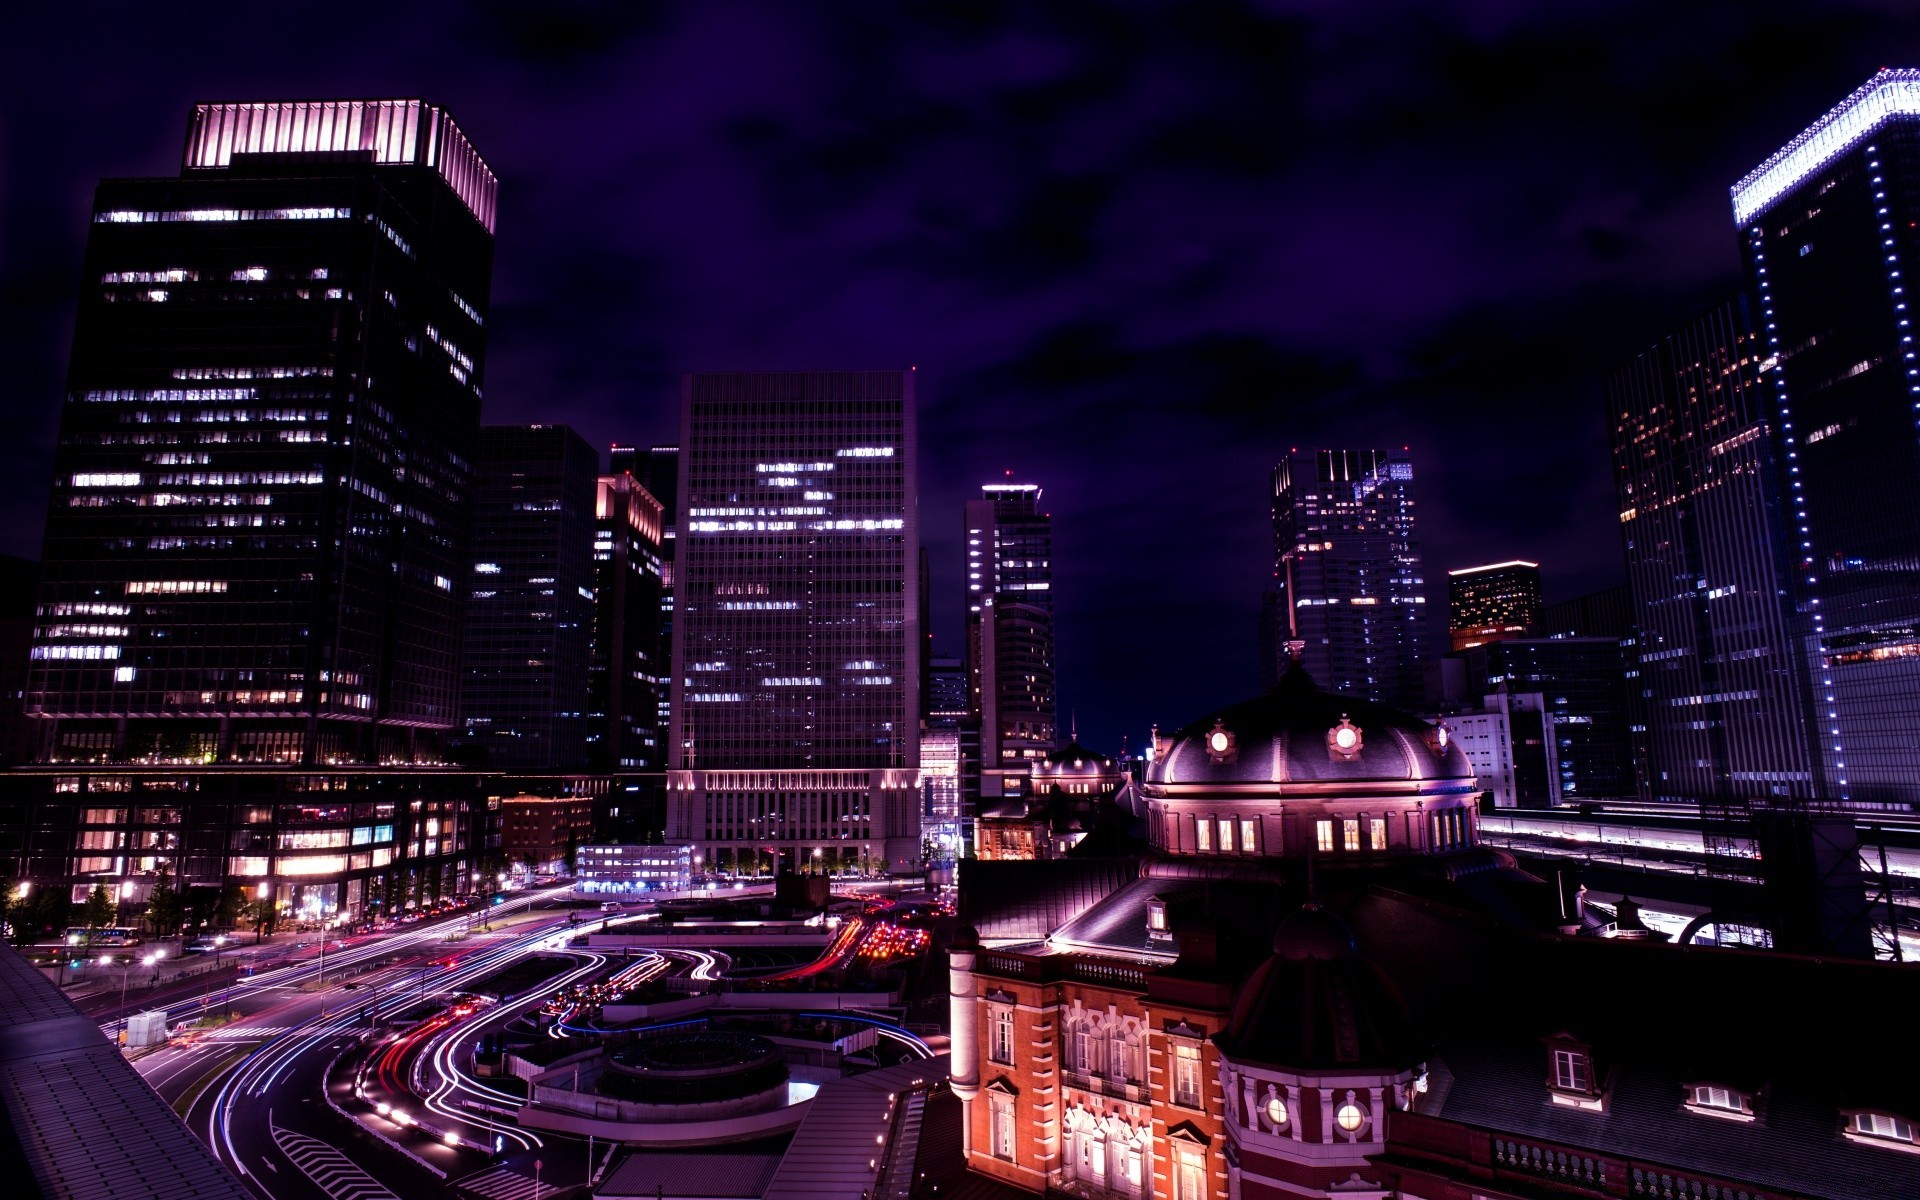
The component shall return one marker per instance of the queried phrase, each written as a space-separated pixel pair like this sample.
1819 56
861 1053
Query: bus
79 935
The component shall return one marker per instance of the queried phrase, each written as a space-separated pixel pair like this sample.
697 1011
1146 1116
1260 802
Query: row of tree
37 914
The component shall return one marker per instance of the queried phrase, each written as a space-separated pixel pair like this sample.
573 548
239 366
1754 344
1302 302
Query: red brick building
1313 981
540 829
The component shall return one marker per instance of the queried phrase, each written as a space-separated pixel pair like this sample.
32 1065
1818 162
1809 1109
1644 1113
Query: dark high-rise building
530 608
1488 603
1584 699
1605 613
1830 226
796 670
628 673
1347 580
257 546
659 472
19 591
259 507
1009 629
1700 521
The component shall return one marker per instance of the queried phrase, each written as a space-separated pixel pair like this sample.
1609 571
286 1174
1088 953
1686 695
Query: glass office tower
1347 572
795 735
259 519
1830 226
531 595
1700 522
257 541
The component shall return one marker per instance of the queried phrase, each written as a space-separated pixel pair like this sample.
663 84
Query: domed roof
1074 760
1298 733
1316 1004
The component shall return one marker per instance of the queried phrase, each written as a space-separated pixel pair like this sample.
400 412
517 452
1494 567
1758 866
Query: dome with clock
1302 769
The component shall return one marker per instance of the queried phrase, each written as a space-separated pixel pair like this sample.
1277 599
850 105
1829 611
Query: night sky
1135 250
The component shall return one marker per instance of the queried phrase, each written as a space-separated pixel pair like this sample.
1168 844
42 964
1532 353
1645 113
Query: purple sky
1136 250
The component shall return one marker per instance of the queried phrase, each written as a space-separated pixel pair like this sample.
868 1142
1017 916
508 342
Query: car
610 906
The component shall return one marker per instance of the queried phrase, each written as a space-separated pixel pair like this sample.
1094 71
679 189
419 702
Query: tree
166 908
263 913
99 910
46 909
227 909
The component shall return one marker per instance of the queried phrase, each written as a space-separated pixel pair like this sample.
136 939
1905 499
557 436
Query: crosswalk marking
329 1169
237 1032
503 1183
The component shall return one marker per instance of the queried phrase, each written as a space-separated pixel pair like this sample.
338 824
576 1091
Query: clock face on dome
1276 1110
1344 740
1217 741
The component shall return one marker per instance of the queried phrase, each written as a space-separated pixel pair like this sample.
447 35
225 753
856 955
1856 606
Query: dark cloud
1136 250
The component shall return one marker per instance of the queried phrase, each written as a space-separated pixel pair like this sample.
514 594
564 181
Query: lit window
1350 834
1377 832
1883 1126
1323 835
1572 1070
1186 1074
1718 1101
1276 1110
1249 835
1226 835
1002 1107
1203 835
1002 1051
1350 1117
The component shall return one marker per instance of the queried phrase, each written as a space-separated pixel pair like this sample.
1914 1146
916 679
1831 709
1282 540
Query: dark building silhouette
658 470
1605 613
531 599
629 673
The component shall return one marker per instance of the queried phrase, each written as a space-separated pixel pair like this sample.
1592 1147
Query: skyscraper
1010 639
1700 522
1487 603
530 608
795 729
259 497
256 549
659 472
628 672
1830 226
1583 699
1347 580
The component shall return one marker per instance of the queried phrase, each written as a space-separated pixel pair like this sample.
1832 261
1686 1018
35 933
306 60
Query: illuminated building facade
795 735
530 600
1718 670
1319 983
1485 604
1010 636
1347 576
541 832
628 673
1830 228
257 542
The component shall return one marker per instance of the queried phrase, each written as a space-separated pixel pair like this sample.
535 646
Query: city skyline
1240 339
